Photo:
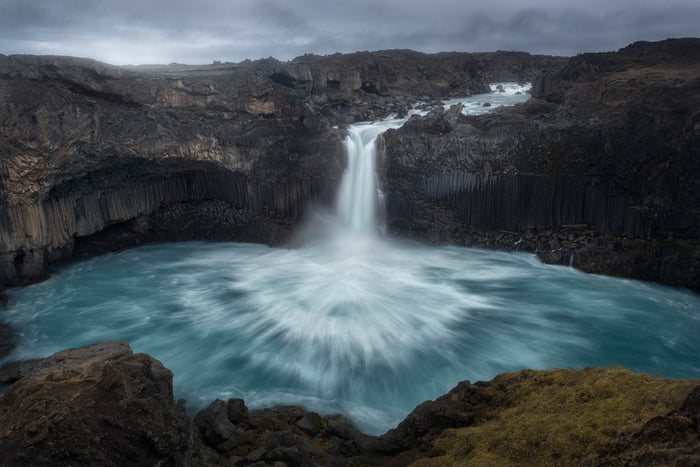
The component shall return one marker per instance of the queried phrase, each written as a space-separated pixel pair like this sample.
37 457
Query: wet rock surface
101 404
608 144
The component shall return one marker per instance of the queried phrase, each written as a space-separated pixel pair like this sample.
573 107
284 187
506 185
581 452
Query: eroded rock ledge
102 404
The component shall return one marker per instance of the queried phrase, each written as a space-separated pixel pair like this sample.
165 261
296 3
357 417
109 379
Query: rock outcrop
96 157
103 405
97 405
598 169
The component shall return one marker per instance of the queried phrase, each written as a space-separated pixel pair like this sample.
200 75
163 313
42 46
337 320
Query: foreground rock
103 405
599 169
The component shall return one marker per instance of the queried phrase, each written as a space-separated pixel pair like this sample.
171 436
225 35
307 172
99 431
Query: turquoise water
355 325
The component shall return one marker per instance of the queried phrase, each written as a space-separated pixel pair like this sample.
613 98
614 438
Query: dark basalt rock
285 434
461 407
71 360
214 424
8 337
691 406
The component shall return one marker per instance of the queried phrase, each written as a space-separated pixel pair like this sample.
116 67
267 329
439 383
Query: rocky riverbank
103 404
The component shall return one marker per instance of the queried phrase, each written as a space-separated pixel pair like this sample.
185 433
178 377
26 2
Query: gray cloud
163 31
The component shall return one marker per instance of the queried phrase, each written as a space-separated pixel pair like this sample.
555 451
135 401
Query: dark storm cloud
143 31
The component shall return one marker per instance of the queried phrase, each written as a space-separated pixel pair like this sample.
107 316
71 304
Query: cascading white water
357 200
359 195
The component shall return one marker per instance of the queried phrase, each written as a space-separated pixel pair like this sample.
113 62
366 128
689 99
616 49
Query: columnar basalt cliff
87 147
599 169
95 157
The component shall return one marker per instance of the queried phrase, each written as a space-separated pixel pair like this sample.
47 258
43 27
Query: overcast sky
200 31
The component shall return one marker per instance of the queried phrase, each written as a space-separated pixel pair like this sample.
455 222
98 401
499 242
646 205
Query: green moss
559 417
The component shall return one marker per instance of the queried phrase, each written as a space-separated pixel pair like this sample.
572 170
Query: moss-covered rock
566 417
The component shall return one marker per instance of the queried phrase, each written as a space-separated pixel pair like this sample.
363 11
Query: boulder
236 411
214 425
310 422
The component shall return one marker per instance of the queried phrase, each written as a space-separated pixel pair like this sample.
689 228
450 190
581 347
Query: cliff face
95 157
409 73
599 168
87 146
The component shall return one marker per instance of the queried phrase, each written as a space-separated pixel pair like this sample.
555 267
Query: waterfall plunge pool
367 329
350 322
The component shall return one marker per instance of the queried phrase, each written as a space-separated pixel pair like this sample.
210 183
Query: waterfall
359 197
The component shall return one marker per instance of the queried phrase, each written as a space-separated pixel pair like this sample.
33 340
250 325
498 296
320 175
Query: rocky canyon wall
95 157
173 208
599 169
